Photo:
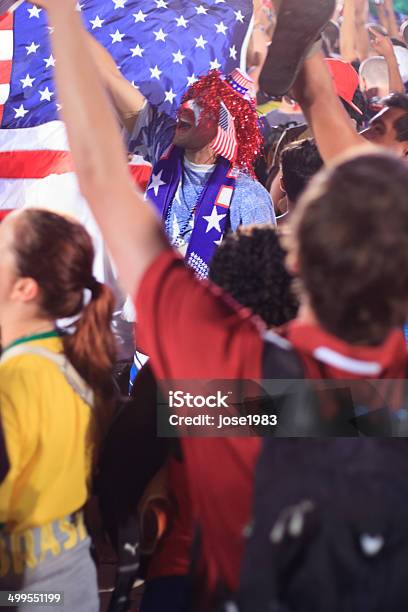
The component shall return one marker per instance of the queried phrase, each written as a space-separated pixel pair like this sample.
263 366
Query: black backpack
329 528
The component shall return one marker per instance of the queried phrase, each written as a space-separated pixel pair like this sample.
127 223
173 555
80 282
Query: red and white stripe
6 58
225 143
245 81
36 166
35 159
36 170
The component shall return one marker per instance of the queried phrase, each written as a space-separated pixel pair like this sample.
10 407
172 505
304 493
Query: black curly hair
249 265
299 161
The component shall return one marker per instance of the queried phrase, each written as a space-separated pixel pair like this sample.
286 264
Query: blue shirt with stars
251 202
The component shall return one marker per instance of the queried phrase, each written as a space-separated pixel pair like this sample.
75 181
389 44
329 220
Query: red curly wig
209 91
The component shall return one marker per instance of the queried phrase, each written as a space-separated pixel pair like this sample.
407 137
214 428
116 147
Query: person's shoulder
251 203
28 369
248 184
22 367
19 381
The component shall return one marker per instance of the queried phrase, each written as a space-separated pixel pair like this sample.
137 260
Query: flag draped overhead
161 46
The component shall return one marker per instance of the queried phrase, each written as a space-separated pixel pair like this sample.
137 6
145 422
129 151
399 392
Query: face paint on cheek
196 108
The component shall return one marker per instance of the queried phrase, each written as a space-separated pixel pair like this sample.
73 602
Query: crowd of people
269 253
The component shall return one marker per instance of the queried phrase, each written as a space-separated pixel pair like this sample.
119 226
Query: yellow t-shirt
49 433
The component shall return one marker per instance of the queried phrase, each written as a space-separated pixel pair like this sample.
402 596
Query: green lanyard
50 334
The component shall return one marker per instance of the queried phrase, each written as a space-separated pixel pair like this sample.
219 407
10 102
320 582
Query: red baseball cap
4 212
345 79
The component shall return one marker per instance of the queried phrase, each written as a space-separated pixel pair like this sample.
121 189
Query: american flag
225 143
160 46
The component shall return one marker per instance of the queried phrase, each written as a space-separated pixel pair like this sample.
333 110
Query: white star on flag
219 1
213 220
119 4
221 28
27 81
161 4
239 16
218 242
59 106
155 72
32 48
191 79
201 42
178 57
170 95
137 51
201 10
79 7
140 16
181 22
49 61
233 52
116 37
20 112
97 22
34 11
156 182
215 65
160 35
46 94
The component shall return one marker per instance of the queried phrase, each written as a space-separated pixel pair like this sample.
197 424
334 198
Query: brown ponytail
58 254
91 348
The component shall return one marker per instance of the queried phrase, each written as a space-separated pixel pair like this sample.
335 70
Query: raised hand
381 44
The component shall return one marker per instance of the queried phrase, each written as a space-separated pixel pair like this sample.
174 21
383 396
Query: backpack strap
70 374
279 359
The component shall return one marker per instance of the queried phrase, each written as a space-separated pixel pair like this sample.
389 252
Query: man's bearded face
195 130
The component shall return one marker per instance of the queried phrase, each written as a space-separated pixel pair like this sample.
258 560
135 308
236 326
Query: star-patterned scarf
211 210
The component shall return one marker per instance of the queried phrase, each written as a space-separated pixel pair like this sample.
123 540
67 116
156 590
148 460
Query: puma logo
130 548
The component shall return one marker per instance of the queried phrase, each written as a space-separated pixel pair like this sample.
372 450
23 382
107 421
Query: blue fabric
251 202
209 216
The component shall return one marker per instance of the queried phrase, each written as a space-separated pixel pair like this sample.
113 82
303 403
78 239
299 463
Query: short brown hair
351 234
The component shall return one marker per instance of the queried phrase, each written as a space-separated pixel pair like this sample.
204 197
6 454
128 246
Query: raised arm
362 38
331 126
130 226
383 46
348 32
127 100
392 25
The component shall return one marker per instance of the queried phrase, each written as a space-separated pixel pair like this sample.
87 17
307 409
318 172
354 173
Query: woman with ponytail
56 394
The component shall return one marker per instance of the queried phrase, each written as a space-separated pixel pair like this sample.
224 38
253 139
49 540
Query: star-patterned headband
242 84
